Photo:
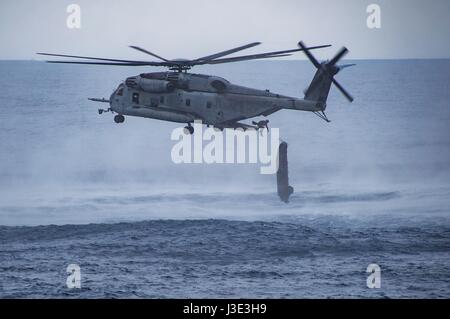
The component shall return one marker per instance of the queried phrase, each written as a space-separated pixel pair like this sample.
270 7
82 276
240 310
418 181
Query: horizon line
265 60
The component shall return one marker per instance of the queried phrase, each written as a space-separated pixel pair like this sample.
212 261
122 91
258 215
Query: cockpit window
119 90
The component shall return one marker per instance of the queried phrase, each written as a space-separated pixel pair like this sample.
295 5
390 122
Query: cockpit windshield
119 90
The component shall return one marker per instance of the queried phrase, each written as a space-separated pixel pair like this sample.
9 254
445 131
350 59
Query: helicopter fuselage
178 96
185 97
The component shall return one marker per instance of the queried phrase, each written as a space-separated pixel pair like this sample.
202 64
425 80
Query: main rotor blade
92 58
309 55
112 63
338 56
297 50
260 55
245 58
148 52
343 91
227 52
211 59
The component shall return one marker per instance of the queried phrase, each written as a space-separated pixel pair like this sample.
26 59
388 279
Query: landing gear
119 118
189 129
264 124
101 111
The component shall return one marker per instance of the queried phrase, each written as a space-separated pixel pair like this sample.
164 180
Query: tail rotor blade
326 72
309 55
343 91
338 56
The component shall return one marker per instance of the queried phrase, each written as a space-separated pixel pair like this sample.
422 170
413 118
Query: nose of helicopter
111 98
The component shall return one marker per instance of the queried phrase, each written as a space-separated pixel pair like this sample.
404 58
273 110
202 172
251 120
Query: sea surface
371 187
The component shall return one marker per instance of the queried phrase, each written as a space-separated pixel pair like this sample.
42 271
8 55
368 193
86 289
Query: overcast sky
193 28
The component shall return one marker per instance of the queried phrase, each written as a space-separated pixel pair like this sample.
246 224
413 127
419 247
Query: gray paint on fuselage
206 102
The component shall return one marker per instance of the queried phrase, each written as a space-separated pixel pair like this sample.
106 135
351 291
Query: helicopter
180 96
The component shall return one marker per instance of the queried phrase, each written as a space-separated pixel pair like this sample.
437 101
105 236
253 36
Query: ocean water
372 186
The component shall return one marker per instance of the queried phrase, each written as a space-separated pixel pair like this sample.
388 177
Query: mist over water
371 186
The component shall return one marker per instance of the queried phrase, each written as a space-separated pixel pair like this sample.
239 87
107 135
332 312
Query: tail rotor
319 87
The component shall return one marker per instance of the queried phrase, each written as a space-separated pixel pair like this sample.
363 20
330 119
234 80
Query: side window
135 98
161 99
154 102
208 104
188 102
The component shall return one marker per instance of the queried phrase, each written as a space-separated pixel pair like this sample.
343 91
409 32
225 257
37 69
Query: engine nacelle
155 86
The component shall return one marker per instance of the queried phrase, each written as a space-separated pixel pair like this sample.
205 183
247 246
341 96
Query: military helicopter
179 96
